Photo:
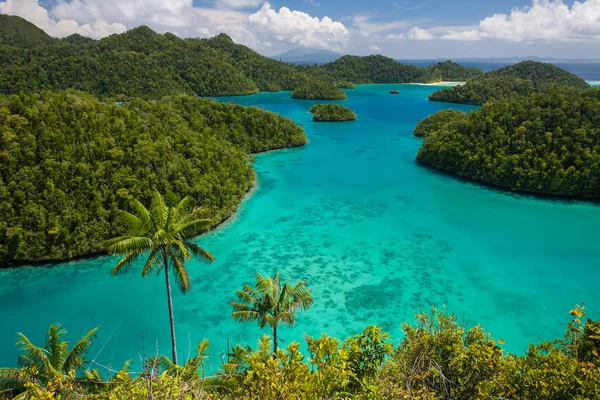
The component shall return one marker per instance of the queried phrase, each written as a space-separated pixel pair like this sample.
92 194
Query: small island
332 113
394 91
318 91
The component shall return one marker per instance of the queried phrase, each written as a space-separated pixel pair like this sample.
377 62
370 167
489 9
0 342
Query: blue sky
397 28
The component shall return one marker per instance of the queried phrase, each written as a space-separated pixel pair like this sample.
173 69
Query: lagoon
376 236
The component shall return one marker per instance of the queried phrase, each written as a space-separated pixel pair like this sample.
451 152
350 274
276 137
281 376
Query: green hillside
18 32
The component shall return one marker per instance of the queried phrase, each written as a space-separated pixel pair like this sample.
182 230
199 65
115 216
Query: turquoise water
376 236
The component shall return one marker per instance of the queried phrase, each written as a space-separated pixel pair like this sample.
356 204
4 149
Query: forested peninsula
68 161
545 143
520 79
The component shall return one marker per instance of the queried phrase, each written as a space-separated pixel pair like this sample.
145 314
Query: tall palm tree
43 364
164 234
271 303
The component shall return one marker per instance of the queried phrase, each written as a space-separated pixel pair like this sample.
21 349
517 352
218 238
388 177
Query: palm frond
153 263
199 252
158 209
131 245
14 378
34 356
75 358
181 275
189 227
124 264
55 346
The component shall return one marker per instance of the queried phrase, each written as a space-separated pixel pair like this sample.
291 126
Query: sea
376 236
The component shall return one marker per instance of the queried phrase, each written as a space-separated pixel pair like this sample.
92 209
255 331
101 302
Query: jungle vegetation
546 143
68 162
437 121
318 90
453 72
332 113
142 63
520 79
438 358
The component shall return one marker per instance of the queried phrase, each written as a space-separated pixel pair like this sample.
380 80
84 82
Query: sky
403 29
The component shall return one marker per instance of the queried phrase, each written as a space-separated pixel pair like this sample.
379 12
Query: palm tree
43 364
271 303
163 232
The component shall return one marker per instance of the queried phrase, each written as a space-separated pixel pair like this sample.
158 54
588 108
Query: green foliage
366 353
453 72
379 69
543 143
439 358
318 91
17 32
394 91
345 85
437 121
521 79
69 161
43 365
271 303
332 113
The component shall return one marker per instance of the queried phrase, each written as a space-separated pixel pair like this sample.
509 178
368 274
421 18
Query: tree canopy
68 161
520 79
332 113
545 143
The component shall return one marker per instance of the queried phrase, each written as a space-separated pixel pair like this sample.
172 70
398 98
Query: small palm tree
163 232
271 303
43 364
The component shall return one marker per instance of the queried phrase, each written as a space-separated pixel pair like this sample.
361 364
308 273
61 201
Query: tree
271 303
43 364
165 233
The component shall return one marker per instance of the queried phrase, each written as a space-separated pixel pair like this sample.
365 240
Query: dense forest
142 63
523 78
452 72
318 90
437 121
332 113
545 143
67 161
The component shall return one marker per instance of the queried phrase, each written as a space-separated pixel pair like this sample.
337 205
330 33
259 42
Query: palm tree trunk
172 320
275 340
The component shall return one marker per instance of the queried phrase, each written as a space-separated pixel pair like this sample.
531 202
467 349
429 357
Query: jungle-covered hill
142 63
520 79
68 161
546 143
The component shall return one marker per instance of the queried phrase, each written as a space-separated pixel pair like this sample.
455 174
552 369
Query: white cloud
238 3
366 27
549 20
297 28
33 12
265 28
374 48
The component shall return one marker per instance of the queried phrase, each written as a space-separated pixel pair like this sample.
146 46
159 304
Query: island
544 143
394 91
318 91
332 113
520 79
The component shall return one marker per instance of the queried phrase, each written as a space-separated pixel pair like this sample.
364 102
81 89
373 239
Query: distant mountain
18 32
303 55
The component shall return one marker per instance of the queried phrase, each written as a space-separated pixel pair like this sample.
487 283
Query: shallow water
376 236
